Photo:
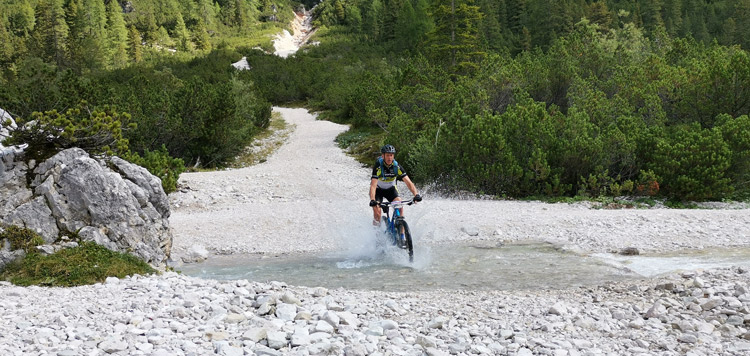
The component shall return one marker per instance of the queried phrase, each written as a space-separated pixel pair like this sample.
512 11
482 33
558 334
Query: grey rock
320 348
712 303
324 326
112 345
301 336
656 310
197 253
224 349
426 341
470 230
276 339
331 318
688 338
388 324
233 318
558 309
35 215
431 351
112 202
438 322
255 334
265 309
266 351
303 315
348 318
505 333
286 312
375 330
290 298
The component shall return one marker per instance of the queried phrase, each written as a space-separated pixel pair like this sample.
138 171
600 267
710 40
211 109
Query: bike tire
407 237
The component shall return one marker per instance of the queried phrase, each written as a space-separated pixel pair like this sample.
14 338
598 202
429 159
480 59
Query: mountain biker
383 183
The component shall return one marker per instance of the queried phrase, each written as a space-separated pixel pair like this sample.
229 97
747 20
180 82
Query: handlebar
397 203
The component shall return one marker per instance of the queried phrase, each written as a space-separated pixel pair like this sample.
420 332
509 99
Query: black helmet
388 149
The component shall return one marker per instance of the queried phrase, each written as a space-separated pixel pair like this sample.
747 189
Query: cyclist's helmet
388 149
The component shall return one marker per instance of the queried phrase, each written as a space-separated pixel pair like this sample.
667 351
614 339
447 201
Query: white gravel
310 187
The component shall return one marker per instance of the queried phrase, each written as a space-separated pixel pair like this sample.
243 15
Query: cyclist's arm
373 187
410 185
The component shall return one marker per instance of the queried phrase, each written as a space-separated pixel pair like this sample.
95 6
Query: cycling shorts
388 193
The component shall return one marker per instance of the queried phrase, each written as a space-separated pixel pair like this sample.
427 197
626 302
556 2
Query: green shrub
88 263
21 238
692 164
160 164
97 131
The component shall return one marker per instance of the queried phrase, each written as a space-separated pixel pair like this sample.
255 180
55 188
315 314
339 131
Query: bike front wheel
407 237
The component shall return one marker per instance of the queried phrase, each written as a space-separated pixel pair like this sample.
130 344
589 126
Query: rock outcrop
109 201
6 122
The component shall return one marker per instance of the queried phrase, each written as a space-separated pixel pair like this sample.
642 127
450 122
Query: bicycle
394 225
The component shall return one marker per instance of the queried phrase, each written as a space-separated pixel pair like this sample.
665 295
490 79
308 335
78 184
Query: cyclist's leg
376 212
393 196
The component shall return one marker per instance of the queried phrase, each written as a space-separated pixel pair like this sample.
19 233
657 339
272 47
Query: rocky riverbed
694 313
280 205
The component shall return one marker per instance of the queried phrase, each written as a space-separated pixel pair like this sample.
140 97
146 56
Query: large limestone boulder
110 201
11 124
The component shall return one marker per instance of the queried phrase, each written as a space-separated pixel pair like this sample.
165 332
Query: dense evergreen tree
135 49
455 38
182 36
373 20
117 36
50 34
201 38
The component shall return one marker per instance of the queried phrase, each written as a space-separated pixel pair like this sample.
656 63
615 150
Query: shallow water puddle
510 267
655 264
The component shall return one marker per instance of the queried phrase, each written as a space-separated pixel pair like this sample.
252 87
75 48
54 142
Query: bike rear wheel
407 237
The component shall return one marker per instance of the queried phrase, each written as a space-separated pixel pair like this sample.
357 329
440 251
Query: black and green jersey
387 175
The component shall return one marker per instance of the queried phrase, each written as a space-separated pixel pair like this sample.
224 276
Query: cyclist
383 183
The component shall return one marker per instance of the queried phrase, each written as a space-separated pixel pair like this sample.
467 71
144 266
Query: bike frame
391 220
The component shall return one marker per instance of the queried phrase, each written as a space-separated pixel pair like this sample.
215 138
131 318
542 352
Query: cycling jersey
387 175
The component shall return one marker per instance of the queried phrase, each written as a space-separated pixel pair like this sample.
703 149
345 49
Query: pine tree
491 29
405 35
150 30
182 36
651 14
50 35
135 49
673 16
117 35
455 38
201 37
599 14
423 22
87 22
6 47
372 26
240 14
207 12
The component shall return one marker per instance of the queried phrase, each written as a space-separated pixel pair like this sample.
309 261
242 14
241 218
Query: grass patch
265 143
363 144
21 238
88 263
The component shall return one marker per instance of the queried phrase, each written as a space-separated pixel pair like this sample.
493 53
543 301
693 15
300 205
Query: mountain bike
396 227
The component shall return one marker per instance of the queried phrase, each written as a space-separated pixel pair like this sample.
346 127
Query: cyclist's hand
373 203
417 198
